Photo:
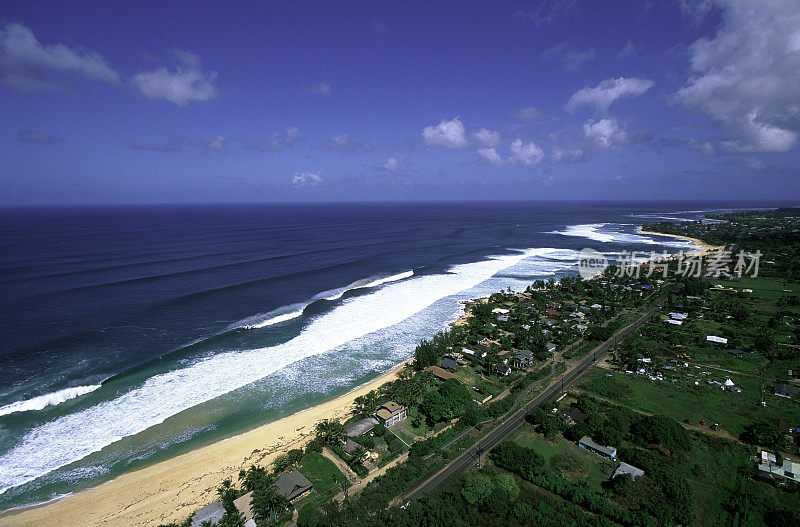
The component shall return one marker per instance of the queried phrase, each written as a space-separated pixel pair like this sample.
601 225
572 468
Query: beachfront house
292 485
441 373
359 428
587 443
391 412
449 364
211 513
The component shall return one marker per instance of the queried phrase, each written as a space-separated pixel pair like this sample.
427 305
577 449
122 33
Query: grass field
326 477
565 458
683 400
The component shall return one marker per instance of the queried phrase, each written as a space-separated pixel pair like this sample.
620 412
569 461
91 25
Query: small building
502 318
391 412
449 364
625 468
211 513
243 504
581 327
500 311
292 485
784 390
587 443
359 428
521 359
674 322
551 347
596 306
678 316
441 373
716 340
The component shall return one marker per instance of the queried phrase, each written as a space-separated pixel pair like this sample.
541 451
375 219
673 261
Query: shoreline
703 247
172 489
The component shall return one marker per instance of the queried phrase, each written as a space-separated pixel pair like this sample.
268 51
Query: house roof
589 442
718 340
292 484
441 373
384 414
784 390
449 364
212 513
359 428
523 355
392 406
243 504
625 468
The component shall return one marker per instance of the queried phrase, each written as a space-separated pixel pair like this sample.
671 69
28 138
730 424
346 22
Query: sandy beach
704 248
173 489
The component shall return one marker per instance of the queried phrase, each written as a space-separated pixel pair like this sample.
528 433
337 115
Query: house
521 359
587 443
243 504
678 316
449 364
500 311
359 428
673 322
716 340
349 446
625 468
211 513
596 306
391 412
502 318
769 468
441 373
551 347
292 485
577 315
735 389
784 390
581 327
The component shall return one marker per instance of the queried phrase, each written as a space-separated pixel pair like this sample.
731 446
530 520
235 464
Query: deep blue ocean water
116 321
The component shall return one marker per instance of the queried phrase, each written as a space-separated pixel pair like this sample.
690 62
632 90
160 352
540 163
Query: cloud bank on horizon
568 99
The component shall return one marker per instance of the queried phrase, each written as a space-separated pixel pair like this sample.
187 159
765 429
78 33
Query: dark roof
590 443
292 484
786 390
359 428
449 364
524 355
441 373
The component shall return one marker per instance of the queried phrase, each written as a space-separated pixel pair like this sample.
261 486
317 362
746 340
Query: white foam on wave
72 437
286 313
600 232
49 399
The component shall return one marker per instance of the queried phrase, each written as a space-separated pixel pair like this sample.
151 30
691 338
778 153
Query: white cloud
306 179
628 50
747 77
217 144
608 91
525 154
570 59
391 165
187 83
528 113
560 154
490 155
447 133
322 88
605 132
275 142
27 65
548 12
485 138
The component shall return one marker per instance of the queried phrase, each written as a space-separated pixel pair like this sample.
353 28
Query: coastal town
654 393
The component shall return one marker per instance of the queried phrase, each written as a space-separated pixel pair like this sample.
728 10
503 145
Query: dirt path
359 486
346 470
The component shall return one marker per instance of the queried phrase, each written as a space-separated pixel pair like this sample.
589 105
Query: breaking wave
49 399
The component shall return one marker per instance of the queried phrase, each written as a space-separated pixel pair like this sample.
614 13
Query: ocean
132 334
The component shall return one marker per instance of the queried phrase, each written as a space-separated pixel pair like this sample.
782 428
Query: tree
763 433
253 477
477 487
266 503
329 431
662 430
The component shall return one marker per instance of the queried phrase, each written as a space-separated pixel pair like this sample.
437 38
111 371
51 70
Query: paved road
466 460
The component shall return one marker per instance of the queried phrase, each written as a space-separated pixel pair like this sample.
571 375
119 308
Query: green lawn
565 458
763 287
324 475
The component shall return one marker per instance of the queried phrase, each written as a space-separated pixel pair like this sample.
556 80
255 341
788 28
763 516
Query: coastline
172 489
703 247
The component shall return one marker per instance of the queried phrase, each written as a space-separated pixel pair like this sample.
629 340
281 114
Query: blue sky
111 102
